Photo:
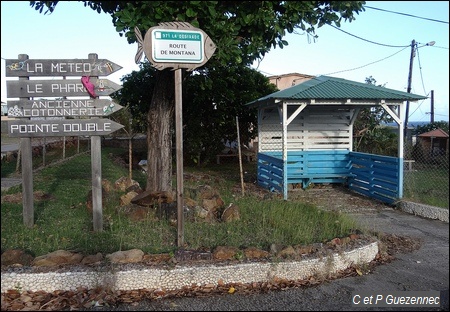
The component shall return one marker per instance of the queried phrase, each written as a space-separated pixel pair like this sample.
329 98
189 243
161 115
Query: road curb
179 277
426 211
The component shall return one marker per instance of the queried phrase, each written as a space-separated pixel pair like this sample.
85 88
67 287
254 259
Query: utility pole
432 106
413 45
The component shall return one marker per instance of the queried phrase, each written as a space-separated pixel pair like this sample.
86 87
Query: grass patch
428 186
63 221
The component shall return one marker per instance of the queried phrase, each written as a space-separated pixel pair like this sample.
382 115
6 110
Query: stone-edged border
426 211
197 275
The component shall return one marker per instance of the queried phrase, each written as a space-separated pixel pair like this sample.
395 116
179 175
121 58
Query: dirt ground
336 197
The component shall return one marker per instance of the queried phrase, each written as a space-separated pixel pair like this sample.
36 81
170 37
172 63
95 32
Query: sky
376 44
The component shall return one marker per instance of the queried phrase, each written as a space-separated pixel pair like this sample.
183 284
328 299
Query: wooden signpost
59 106
176 45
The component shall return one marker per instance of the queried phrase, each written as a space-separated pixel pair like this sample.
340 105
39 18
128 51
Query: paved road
426 269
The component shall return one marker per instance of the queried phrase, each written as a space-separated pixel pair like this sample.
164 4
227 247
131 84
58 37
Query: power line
420 70
369 63
381 44
410 15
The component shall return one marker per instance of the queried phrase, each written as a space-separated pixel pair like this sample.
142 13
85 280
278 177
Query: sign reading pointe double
64 127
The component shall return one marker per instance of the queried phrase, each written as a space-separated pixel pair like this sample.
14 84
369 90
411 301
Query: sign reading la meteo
61 67
177 46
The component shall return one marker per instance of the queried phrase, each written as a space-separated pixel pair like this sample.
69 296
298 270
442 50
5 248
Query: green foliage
211 102
212 98
243 31
443 125
136 95
368 135
380 141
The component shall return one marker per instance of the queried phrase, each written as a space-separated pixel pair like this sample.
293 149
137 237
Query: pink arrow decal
88 85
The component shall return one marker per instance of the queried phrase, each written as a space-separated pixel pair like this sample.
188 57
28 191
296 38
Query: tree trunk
159 133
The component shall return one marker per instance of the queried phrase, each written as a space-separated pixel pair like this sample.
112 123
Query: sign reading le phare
58 88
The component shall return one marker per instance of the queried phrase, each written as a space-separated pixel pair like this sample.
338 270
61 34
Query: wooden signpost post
176 45
59 106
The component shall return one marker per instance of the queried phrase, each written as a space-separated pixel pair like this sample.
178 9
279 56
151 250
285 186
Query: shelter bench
306 179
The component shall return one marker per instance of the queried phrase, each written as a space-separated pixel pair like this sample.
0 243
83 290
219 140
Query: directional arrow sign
63 67
62 108
182 46
58 88
64 127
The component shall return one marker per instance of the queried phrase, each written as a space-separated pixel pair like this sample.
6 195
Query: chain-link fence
426 177
426 167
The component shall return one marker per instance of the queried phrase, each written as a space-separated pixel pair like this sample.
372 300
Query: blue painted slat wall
375 176
270 171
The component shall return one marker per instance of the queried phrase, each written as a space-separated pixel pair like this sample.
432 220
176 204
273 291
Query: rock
287 252
126 198
92 259
225 252
207 192
304 250
231 213
210 204
106 184
58 257
190 202
150 198
16 256
255 253
123 183
127 256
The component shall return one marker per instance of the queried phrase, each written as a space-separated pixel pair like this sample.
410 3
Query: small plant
239 255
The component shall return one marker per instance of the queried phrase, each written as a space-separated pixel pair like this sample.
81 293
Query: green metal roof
330 88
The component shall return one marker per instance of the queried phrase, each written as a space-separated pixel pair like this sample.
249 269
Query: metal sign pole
179 151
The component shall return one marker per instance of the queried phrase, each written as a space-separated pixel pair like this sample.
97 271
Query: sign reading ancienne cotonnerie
62 108
65 127
61 67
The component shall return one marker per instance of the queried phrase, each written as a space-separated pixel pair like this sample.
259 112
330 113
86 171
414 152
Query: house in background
288 80
434 143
